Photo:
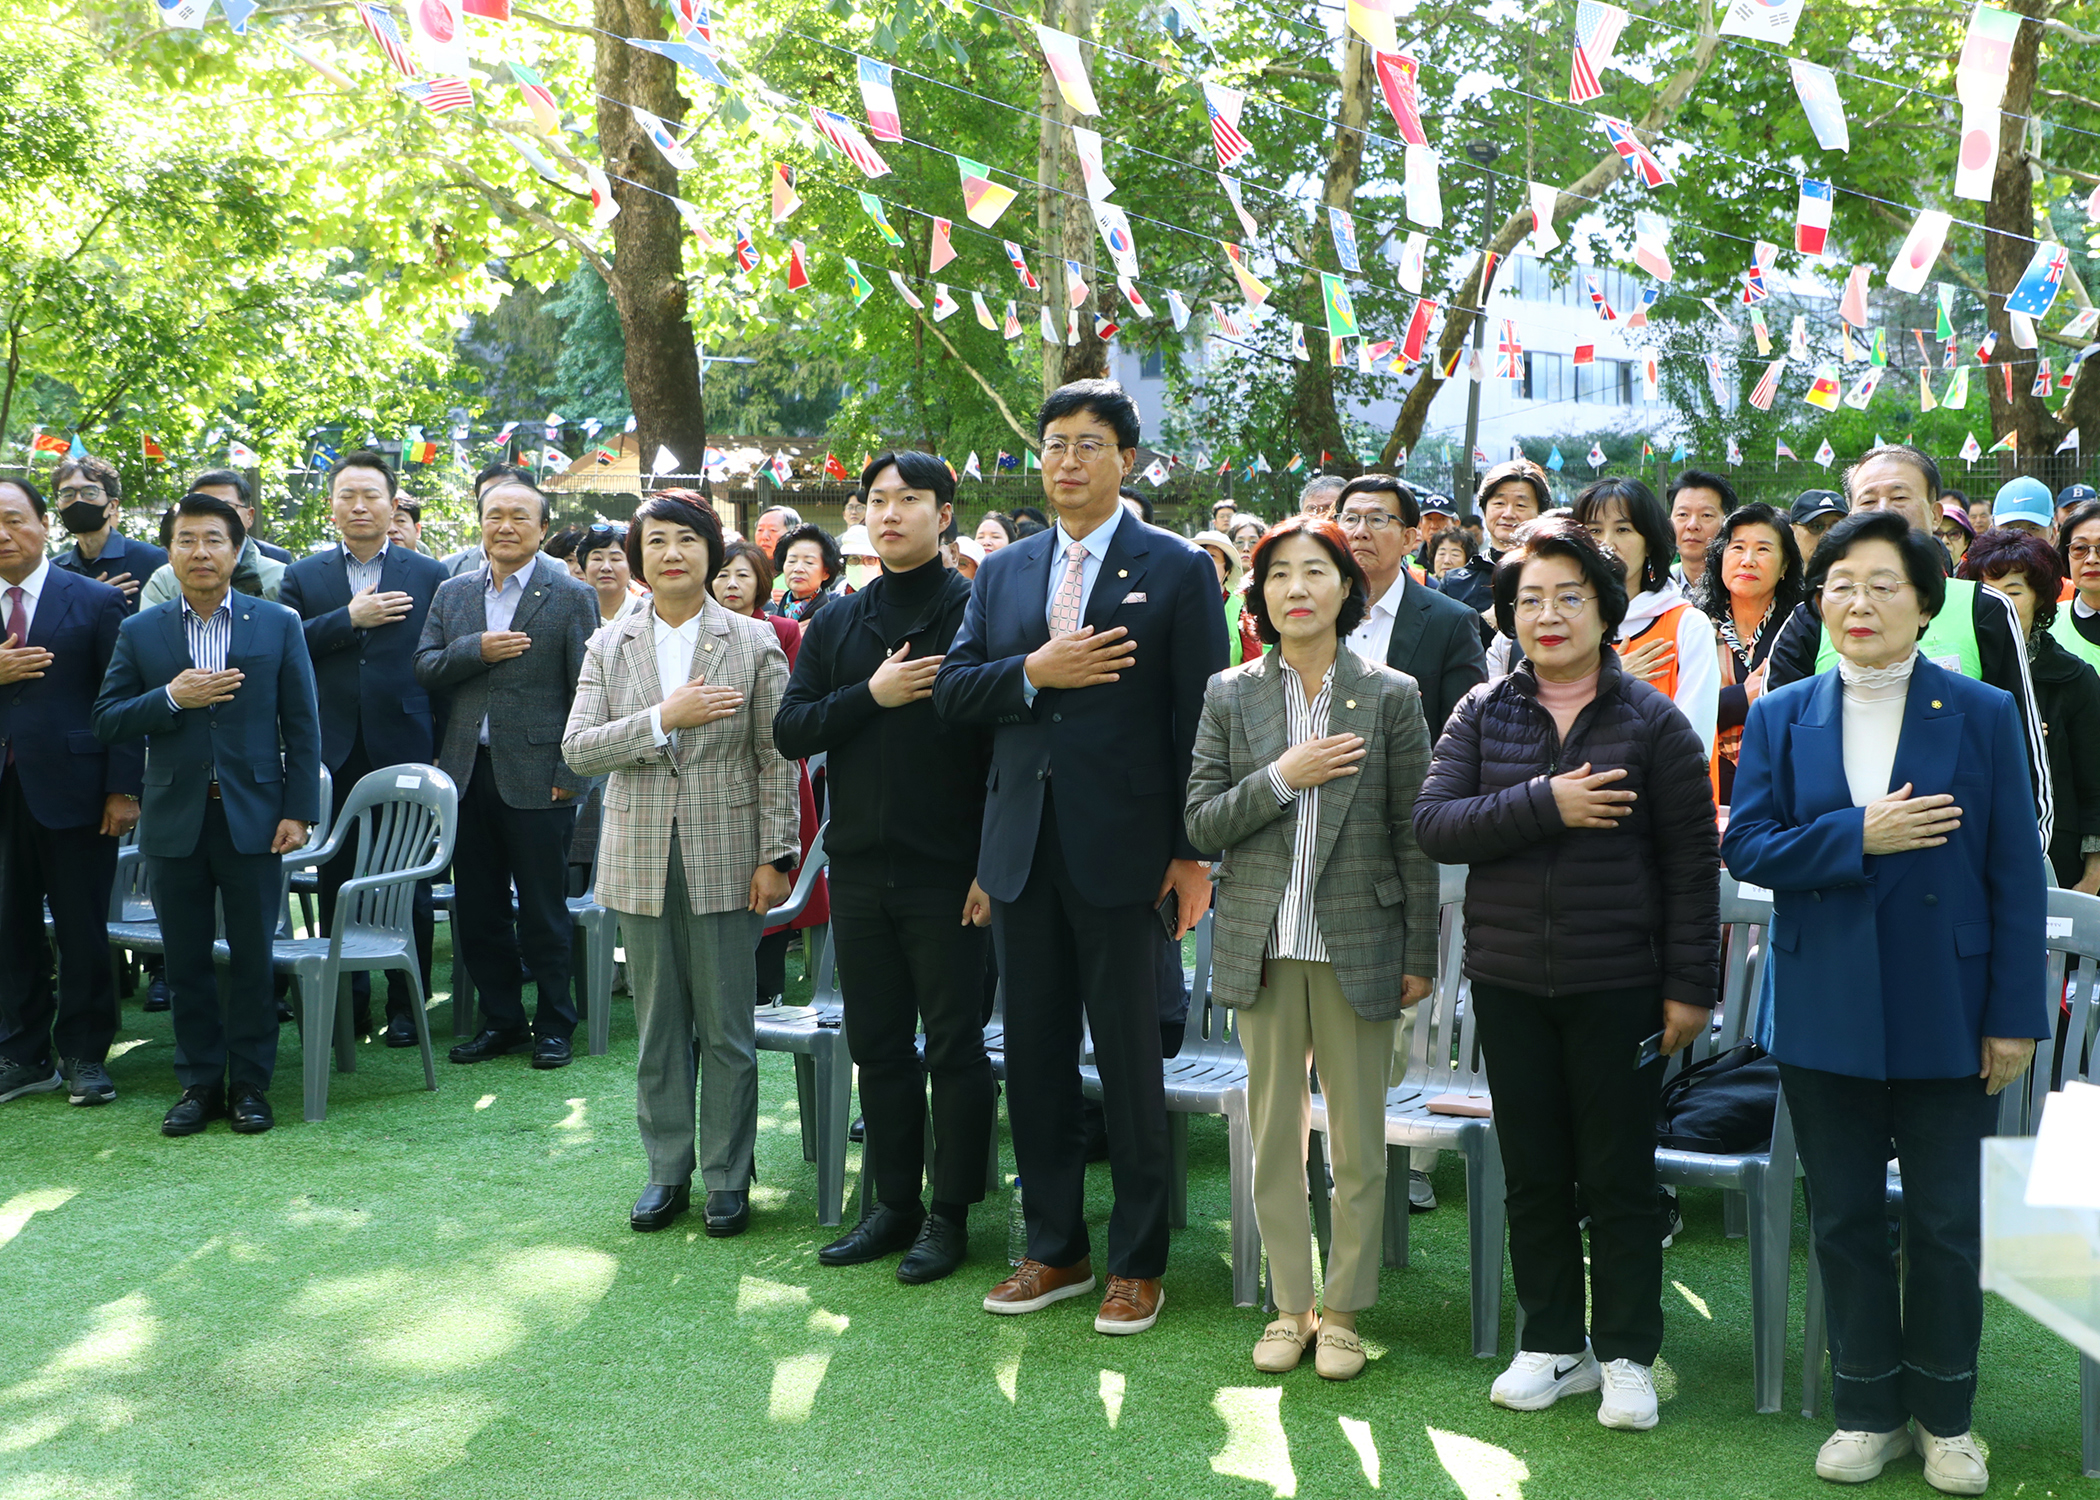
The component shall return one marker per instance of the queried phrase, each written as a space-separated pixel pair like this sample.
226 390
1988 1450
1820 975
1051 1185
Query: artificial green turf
438 1295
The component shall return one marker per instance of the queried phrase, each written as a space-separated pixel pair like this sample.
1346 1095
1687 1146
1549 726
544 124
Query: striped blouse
1297 932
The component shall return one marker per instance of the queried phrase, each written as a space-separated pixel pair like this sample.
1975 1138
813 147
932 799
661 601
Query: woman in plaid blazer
698 840
1306 767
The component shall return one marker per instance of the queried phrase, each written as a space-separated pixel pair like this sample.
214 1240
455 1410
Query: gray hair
789 519
1321 486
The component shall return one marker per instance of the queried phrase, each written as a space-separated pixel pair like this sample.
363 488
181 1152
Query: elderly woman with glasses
1885 804
1578 794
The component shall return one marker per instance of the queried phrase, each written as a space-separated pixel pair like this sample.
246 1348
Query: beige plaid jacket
728 790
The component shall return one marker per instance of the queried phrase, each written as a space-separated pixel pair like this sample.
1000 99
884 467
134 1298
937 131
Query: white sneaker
1535 1381
1954 1466
1421 1197
1629 1397
1849 1457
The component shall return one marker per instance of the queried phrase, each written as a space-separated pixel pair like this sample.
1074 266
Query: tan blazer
728 790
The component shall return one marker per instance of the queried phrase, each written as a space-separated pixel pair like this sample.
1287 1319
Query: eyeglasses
85 492
1374 520
1086 450
2081 551
1880 590
1571 604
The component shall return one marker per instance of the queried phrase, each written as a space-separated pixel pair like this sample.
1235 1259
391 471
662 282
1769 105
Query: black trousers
500 846
229 1034
1064 958
904 956
355 767
1896 1354
1572 1110
73 869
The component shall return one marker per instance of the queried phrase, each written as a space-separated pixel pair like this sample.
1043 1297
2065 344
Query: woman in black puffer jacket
1580 798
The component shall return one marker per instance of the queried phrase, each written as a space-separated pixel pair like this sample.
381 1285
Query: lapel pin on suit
1122 572
1350 703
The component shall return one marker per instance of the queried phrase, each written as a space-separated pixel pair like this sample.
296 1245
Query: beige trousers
1298 1020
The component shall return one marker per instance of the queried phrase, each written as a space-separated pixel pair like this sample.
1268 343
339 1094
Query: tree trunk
648 274
1313 416
2008 245
1064 218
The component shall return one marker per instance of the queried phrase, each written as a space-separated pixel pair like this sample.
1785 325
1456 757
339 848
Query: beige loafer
1281 1346
1340 1355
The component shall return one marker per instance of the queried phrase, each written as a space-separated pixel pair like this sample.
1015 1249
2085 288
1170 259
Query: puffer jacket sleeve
1687 851
1455 823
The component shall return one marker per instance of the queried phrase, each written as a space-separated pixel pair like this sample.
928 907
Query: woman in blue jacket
1886 804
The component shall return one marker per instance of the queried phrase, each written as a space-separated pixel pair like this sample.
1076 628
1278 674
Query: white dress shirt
1373 636
675 645
32 589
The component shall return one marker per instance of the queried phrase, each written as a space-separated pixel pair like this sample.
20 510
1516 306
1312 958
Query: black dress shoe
199 1105
858 1130
251 1111
882 1231
726 1214
942 1246
551 1052
400 1031
284 1010
492 1044
659 1205
156 994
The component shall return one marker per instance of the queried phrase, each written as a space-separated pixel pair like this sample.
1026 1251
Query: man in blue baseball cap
2070 495
2025 504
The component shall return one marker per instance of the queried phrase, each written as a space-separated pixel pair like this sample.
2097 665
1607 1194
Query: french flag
881 101
1812 217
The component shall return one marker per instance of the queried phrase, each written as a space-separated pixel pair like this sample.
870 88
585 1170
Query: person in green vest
1975 633
2077 629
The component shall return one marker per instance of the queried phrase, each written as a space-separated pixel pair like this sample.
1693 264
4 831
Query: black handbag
1722 1105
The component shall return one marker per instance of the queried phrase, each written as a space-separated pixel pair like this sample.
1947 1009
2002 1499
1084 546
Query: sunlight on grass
1256 1446
1008 1369
756 1295
484 1101
17 1211
575 1119
118 1049
772 1307
1698 1302
1112 1388
1480 1470
479 1312
390 1449
1359 1435
122 1332
304 1213
795 1382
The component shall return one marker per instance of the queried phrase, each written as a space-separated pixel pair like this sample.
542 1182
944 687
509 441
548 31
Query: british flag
1509 353
1224 108
1019 262
379 21
1597 300
1597 28
842 133
438 95
746 253
1627 144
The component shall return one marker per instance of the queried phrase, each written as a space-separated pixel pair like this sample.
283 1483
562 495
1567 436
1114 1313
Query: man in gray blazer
505 643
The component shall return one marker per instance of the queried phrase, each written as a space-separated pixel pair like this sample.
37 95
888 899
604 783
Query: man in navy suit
64 799
1086 649
232 486
221 688
364 603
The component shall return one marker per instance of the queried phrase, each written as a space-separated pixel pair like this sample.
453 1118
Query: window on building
1545 377
1153 366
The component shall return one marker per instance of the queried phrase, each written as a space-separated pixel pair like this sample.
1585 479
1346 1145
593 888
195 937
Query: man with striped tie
220 687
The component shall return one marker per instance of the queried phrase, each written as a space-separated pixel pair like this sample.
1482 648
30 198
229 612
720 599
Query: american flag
1628 145
438 95
1597 28
380 22
1767 385
1224 107
1509 353
842 133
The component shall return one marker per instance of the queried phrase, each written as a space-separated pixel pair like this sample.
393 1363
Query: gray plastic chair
2067 1055
405 819
816 1037
1444 1057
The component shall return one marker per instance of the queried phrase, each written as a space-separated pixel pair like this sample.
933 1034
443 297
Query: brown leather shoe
1034 1286
1131 1306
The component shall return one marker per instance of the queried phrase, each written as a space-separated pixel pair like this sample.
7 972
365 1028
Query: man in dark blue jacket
1086 649
64 800
220 687
364 602
90 500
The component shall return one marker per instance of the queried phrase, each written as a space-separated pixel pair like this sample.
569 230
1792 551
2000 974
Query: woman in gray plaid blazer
1306 767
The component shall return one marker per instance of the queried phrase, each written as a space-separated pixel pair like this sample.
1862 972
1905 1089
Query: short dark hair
194 504
600 535
1144 506
1456 536
521 478
1002 520
2002 550
750 551
1516 468
1701 479
1383 484
101 470
231 479
675 508
2068 523
827 545
367 458
563 543
1105 399
1922 557
1031 513
1790 588
503 468
922 471
1328 535
1242 520
1909 453
409 506
1643 510
1560 536
28 487
1954 497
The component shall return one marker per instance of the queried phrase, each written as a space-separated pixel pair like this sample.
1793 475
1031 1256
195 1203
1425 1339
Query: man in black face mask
90 496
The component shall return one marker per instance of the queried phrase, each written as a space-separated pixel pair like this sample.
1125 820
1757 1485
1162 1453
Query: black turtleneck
904 598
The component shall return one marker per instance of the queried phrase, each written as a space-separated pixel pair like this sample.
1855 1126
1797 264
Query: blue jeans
1909 1355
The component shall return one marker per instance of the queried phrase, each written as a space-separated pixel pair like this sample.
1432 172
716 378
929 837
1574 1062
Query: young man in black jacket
907 796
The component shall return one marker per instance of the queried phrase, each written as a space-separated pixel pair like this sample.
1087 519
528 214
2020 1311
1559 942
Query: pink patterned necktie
1064 609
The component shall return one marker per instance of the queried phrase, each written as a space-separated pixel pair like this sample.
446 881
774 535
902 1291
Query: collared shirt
1297 931
499 606
363 575
209 637
1096 544
32 589
1373 637
675 645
